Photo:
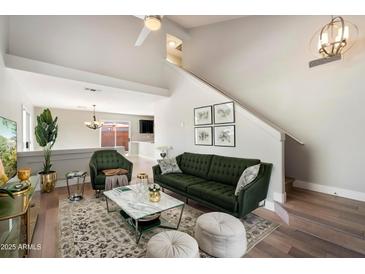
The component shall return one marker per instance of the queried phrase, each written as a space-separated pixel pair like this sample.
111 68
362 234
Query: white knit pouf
221 235
172 244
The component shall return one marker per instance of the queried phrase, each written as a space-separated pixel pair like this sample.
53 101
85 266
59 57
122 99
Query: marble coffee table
138 211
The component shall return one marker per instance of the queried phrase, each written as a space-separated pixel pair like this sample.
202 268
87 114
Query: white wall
263 60
72 133
11 95
174 125
98 44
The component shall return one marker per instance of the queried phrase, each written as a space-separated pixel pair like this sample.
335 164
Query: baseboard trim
336 191
270 205
279 197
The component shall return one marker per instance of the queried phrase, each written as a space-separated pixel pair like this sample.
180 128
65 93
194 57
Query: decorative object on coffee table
172 244
225 136
135 205
203 136
142 177
46 134
221 235
224 113
78 193
203 116
154 193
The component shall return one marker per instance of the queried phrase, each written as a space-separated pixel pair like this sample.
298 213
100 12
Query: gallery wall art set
215 123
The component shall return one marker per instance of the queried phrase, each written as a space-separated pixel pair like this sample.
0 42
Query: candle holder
154 193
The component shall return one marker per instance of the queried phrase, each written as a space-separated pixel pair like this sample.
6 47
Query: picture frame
225 136
203 116
224 113
203 136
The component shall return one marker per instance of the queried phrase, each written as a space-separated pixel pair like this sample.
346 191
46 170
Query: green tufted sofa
211 180
106 159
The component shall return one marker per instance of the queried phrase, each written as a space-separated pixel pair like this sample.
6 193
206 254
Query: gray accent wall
263 61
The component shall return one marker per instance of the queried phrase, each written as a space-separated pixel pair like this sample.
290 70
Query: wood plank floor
343 214
285 242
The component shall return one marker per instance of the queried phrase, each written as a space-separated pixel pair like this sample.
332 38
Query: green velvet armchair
106 159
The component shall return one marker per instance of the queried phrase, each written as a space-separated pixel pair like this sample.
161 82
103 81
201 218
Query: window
115 134
26 129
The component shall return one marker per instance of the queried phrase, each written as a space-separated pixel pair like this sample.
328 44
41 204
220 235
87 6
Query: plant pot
48 181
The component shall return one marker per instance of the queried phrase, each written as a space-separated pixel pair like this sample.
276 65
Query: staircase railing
238 102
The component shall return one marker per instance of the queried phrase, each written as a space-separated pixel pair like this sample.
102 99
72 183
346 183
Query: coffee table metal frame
134 222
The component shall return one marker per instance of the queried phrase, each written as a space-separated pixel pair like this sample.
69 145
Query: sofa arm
156 171
255 192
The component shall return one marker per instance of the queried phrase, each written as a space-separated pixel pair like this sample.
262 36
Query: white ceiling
193 21
48 91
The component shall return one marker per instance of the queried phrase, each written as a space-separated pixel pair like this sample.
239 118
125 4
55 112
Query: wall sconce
334 39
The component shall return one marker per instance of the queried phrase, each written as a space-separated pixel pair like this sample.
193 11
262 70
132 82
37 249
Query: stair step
341 221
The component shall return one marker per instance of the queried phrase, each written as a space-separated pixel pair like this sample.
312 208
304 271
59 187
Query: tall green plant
46 135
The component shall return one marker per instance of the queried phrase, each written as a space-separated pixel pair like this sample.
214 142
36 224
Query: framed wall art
203 136
203 116
224 113
225 136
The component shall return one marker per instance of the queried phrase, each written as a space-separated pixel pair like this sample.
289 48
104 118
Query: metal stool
79 191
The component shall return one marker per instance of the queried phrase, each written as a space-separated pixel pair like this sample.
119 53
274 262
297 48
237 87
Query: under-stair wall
263 61
174 126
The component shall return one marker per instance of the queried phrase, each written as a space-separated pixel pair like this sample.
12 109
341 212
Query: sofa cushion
195 164
215 193
228 170
179 181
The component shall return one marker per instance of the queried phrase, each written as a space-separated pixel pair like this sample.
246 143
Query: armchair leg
97 193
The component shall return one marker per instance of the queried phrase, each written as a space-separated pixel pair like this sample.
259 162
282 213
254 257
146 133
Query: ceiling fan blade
142 36
140 16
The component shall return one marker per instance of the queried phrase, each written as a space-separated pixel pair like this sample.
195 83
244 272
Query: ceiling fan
151 23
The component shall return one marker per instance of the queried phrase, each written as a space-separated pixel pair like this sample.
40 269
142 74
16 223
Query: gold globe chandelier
94 124
333 40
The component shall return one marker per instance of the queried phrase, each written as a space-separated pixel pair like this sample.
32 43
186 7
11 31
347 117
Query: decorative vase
154 193
48 181
24 175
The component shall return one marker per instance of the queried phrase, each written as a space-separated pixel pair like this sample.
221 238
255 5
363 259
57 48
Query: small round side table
78 192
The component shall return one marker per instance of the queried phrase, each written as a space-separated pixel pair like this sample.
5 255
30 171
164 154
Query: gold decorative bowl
24 174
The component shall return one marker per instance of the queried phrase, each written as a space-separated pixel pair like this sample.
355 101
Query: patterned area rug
87 230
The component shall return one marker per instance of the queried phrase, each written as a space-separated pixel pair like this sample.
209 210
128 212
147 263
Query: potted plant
46 135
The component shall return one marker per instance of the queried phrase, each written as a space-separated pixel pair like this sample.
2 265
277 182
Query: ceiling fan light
172 44
152 22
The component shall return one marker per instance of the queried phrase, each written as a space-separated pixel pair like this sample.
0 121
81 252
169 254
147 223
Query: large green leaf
46 132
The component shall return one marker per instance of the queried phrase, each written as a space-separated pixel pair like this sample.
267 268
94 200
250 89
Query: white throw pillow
248 175
168 165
